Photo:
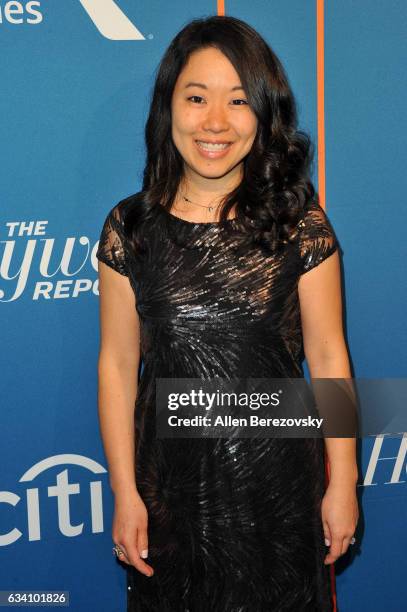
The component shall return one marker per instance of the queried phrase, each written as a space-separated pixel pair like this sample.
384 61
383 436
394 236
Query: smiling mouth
212 146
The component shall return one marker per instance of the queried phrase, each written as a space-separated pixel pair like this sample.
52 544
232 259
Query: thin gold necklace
209 208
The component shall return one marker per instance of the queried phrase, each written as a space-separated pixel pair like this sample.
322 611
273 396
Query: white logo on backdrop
61 490
20 12
378 457
25 251
110 20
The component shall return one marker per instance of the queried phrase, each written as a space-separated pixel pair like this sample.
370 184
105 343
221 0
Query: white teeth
210 146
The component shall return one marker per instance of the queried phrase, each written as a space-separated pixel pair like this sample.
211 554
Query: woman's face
213 127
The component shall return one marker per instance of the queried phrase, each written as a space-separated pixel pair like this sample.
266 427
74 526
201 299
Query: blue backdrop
76 78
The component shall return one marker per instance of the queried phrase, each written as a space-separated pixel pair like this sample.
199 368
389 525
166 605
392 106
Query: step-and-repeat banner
76 76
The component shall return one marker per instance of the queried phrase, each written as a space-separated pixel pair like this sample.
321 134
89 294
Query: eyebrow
203 86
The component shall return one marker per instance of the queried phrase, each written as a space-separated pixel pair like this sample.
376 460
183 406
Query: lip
213 141
213 154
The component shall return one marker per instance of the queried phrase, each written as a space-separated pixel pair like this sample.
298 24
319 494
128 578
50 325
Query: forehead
210 67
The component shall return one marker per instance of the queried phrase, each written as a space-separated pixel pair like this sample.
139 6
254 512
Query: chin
212 174
212 169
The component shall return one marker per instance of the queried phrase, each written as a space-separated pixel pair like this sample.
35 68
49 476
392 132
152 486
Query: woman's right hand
129 530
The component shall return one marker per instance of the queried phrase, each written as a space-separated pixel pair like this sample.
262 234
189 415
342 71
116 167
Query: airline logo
110 20
106 15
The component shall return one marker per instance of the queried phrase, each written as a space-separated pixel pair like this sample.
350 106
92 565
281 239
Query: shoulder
317 237
123 217
315 223
122 209
314 216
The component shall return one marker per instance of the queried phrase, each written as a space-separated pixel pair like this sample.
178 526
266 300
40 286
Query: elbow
109 361
329 360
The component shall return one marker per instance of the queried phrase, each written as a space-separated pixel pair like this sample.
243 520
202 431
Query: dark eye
198 97
240 100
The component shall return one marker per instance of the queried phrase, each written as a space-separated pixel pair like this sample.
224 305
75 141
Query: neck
209 191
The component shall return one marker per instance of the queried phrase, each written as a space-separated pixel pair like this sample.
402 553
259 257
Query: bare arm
327 357
118 366
325 349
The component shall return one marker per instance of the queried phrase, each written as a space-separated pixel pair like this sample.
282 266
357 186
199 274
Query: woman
224 265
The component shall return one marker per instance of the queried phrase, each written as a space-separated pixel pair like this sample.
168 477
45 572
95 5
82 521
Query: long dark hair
275 187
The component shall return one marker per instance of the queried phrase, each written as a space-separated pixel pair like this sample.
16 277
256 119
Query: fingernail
327 542
144 554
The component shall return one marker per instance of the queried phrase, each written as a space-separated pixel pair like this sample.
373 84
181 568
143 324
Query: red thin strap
332 565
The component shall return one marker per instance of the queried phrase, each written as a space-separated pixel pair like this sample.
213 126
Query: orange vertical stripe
321 183
221 7
332 566
321 101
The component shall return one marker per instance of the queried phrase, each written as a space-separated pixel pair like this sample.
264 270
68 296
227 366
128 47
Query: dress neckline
177 219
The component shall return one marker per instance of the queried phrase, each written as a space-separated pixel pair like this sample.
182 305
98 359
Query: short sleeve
317 237
112 242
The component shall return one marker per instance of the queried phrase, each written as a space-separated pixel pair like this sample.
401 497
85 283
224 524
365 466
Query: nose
215 119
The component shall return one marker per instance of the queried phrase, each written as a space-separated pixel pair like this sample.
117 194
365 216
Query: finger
335 550
345 544
122 556
327 534
135 559
142 543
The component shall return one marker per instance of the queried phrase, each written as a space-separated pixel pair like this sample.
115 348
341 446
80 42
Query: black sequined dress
234 525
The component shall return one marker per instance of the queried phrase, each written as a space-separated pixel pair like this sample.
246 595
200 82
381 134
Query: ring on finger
117 550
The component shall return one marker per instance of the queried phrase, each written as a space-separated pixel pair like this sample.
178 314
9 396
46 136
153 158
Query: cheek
248 128
253 133
183 121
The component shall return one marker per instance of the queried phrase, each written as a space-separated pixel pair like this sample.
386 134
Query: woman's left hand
340 514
